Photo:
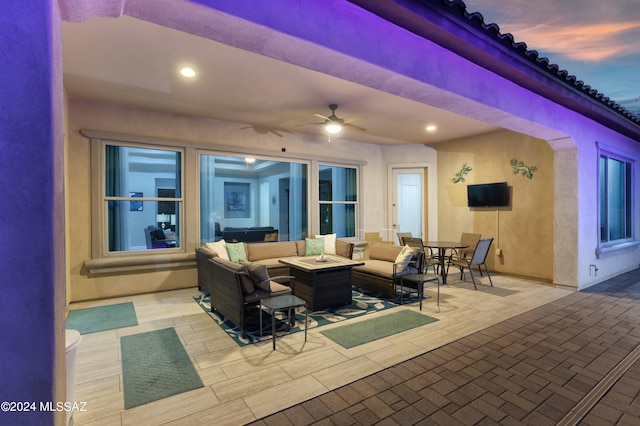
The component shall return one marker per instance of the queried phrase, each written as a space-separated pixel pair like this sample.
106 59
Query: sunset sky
597 41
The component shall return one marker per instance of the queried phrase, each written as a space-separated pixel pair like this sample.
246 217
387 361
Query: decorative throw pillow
405 256
236 252
313 246
246 282
329 243
258 274
220 248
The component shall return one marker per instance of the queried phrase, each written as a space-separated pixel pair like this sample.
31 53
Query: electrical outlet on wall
498 252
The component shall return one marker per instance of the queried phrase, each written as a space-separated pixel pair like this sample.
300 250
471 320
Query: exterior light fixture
249 160
431 128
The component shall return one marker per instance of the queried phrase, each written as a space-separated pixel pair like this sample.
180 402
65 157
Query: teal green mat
100 318
362 304
155 365
372 329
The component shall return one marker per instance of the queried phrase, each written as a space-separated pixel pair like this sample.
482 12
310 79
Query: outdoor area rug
100 318
362 304
155 365
366 331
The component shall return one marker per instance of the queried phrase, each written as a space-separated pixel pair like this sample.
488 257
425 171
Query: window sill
605 251
119 265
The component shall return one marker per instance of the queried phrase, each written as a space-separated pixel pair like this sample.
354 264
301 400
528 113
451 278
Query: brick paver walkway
572 361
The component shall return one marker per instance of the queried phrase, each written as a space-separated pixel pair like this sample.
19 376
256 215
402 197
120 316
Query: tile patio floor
517 353
571 361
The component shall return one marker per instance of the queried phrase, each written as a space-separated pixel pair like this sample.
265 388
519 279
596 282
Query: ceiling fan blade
309 124
322 116
352 119
354 127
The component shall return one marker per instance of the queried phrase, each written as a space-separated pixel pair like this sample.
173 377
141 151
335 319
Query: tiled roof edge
459 8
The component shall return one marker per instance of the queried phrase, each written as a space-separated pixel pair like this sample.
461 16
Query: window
338 200
615 199
142 198
263 194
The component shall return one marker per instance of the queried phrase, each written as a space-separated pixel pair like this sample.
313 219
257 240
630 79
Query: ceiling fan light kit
333 128
334 125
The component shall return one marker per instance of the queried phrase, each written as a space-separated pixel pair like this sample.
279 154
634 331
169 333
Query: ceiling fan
334 124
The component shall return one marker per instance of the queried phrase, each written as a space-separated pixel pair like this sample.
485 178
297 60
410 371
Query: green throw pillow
313 246
236 252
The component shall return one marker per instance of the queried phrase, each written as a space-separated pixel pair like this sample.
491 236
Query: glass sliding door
259 195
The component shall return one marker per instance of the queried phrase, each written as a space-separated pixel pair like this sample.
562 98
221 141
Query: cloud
589 42
597 41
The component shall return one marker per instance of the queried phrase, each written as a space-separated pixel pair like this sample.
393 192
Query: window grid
130 167
338 200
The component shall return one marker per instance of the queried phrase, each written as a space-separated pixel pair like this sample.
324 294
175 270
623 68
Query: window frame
100 199
629 241
355 203
238 154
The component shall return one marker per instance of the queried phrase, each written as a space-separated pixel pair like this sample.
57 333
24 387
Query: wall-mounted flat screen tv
488 195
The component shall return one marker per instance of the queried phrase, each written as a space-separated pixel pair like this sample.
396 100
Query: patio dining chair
402 236
425 261
470 240
479 259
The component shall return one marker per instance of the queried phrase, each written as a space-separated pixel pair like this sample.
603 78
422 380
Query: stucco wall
200 134
524 231
32 266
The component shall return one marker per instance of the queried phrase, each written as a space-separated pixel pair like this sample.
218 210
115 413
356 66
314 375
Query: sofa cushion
313 246
272 263
236 252
388 252
383 269
329 243
258 274
344 248
301 248
259 251
246 283
220 248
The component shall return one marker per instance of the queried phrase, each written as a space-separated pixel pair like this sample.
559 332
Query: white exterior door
407 202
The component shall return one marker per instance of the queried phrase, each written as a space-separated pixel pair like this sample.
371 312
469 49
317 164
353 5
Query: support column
566 220
32 355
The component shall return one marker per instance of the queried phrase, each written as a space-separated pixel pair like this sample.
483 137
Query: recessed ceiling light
188 72
431 128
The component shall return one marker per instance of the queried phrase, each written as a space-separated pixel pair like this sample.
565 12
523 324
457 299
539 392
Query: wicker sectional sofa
230 285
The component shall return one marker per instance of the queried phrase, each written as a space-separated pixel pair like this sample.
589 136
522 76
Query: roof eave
447 23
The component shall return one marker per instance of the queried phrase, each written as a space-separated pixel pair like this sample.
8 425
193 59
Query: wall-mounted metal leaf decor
460 175
519 167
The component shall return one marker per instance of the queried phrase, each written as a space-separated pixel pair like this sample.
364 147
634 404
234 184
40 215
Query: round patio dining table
442 247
